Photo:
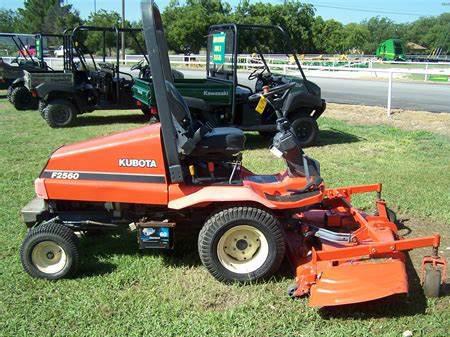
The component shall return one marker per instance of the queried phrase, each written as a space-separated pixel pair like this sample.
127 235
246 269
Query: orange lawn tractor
180 174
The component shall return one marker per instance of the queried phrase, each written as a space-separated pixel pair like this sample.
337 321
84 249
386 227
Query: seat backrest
178 107
164 50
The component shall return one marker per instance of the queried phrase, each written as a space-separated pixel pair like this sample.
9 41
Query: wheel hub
242 244
48 257
242 249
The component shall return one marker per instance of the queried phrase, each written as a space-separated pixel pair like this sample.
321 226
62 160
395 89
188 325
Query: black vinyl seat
221 141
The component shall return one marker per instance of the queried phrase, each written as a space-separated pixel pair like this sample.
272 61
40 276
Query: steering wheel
283 88
256 73
137 66
15 60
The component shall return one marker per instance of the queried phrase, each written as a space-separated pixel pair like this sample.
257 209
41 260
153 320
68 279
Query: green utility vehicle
19 94
27 59
391 50
221 99
85 84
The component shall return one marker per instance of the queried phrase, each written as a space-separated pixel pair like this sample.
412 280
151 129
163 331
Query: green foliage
296 17
187 25
328 36
47 16
8 20
94 40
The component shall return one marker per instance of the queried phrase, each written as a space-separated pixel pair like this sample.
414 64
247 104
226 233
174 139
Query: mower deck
353 257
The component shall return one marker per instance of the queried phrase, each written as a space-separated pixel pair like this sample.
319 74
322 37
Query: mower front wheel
241 244
59 113
50 252
431 281
306 129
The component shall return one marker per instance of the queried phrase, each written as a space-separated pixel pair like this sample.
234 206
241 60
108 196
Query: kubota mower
181 174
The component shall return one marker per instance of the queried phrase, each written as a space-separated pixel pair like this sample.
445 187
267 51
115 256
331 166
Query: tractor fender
217 194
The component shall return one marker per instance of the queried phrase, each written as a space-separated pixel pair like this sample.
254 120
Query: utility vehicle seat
222 141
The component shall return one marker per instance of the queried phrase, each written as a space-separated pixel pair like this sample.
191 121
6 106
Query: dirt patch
403 119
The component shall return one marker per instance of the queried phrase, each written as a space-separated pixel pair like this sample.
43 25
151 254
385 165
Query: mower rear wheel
432 281
22 99
59 113
50 252
306 129
241 244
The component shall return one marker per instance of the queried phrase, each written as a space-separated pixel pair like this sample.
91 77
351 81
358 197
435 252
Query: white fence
281 62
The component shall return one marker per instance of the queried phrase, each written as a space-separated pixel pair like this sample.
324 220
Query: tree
380 29
48 16
355 37
328 36
295 17
8 21
187 25
94 40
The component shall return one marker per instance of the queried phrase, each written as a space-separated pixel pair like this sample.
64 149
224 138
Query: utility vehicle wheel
241 244
431 281
306 129
59 113
42 106
22 99
8 93
50 251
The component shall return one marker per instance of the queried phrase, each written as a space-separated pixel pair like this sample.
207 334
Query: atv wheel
59 113
431 281
22 99
50 251
42 106
241 244
306 130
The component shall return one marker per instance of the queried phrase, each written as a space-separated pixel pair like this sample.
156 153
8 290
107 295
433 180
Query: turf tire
59 234
219 223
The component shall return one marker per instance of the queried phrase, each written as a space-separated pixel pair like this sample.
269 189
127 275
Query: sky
344 11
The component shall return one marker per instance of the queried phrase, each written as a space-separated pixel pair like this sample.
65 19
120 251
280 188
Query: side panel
127 167
213 92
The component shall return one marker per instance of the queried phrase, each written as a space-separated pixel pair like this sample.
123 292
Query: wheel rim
242 249
303 130
48 257
62 116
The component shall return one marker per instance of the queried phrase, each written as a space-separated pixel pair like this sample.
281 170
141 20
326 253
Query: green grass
120 291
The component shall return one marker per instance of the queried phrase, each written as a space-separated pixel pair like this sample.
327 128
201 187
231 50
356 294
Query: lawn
120 291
